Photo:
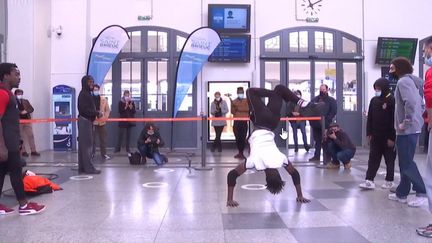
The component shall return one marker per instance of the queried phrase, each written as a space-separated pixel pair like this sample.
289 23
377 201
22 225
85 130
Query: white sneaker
367 185
106 157
387 185
393 197
417 201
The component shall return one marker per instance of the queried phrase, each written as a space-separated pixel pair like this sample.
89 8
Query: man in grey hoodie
408 124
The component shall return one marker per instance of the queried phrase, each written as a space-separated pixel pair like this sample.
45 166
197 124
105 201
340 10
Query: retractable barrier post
203 144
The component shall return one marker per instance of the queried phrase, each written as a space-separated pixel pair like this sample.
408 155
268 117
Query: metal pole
287 139
203 144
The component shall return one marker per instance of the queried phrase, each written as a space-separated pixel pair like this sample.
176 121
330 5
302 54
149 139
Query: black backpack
135 158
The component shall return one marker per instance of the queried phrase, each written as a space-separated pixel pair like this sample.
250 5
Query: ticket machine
64 131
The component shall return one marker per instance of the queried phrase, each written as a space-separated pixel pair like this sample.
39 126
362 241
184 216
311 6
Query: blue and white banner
106 47
196 50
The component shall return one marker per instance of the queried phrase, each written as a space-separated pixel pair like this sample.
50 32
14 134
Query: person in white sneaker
408 124
427 48
381 134
10 141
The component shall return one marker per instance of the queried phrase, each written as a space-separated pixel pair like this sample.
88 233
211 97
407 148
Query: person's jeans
428 178
145 152
337 154
406 145
302 126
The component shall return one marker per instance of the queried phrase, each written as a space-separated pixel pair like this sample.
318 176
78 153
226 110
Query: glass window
127 46
106 87
180 41
136 41
328 42
157 41
299 78
272 44
348 46
323 42
157 86
131 80
350 87
272 75
303 41
224 88
319 41
293 42
325 73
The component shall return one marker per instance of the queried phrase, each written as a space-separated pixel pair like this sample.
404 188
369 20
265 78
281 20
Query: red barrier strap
181 119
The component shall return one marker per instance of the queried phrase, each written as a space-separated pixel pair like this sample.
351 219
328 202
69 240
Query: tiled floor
115 207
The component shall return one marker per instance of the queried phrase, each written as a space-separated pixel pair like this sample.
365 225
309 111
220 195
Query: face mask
322 93
150 132
377 93
240 96
96 93
392 76
19 97
218 98
428 61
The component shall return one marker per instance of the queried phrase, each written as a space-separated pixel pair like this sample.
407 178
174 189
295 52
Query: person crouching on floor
149 142
339 147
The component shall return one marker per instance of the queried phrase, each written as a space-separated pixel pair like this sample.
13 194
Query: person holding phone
126 109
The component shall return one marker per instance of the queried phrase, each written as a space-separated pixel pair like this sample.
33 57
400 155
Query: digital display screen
229 18
233 48
389 48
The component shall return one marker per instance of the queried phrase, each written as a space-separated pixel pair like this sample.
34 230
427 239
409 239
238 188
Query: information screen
389 48
233 48
229 18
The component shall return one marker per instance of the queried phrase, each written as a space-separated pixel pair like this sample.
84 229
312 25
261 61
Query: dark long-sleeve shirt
380 120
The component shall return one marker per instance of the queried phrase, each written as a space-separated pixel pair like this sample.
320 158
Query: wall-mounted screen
390 47
229 17
233 48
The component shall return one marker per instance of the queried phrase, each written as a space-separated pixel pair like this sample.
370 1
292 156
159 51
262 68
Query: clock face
310 8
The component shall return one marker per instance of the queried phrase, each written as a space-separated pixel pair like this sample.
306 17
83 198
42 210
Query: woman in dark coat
126 109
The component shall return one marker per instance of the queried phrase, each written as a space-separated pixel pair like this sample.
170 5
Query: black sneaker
25 154
35 153
314 159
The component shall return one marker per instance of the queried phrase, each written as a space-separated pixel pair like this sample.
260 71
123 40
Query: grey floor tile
283 206
259 236
192 222
211 236
348 184
327 234
332 193
312 219
252 221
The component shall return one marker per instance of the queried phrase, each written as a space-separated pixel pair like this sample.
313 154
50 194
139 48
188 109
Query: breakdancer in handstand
264 154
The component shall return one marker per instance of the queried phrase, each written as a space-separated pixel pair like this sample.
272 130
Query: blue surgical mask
96 93
240 96
428 61
392 76
377 93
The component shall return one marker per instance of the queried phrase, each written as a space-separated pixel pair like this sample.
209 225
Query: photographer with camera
218 108
149 142
339 147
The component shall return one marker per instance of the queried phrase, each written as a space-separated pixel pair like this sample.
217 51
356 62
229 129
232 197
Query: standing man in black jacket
381 134
87 115
328 110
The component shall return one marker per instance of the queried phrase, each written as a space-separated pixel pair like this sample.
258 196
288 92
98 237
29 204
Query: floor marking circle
81 177
155 184
254 187
164 170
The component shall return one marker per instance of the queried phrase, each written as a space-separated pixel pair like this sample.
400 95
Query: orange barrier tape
47 120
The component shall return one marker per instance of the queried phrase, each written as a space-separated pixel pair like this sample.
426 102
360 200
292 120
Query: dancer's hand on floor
232 203
303 200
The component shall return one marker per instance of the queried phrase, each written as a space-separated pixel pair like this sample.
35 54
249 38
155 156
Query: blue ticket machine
64 133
